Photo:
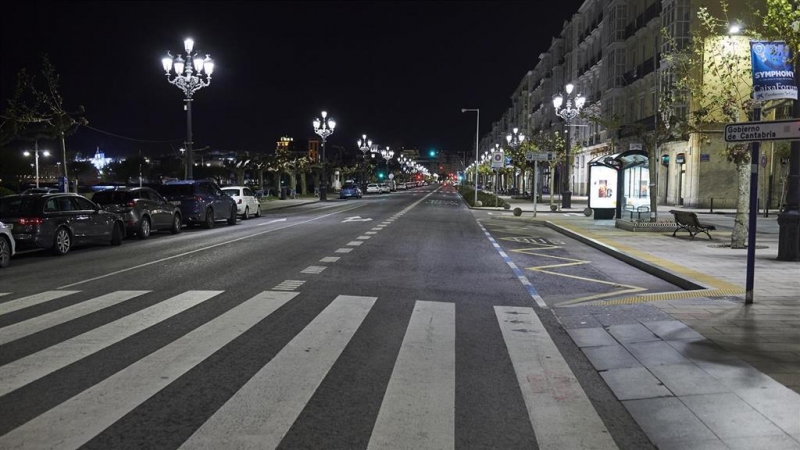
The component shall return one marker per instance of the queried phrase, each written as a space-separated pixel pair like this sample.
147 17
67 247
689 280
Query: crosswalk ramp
96 387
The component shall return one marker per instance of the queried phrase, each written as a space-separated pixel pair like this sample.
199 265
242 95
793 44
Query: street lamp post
364 145
570 111
324 128
515 139
387 155
189 79
36 158
477 135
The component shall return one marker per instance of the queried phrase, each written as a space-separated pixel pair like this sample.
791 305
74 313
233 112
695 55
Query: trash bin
283 193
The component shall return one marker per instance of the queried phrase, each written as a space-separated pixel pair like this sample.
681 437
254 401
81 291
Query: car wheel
143 232
5 252
176 224
62 242
246 213
232 218
209 223
258 211
116 234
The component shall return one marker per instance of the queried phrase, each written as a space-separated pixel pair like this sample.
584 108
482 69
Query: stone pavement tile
714 444
728 416
669 330
777 403
656 353
632 333
610 357
772 366
762 443
591 337
701 350
790 380
737 375
669 423
577 321
687 379
634 383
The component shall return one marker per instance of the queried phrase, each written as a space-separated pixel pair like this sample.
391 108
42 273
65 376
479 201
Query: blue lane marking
517 271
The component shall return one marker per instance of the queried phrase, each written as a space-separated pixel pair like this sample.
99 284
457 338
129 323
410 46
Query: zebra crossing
417 407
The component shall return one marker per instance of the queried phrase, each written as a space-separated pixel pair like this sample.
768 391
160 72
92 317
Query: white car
6 245
373 188
246 202
384 188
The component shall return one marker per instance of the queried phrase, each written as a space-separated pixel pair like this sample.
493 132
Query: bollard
712 205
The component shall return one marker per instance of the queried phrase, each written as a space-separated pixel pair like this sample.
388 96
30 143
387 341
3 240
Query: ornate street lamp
324 128
365 145
189 78
36 158
387 155
570 111
515 138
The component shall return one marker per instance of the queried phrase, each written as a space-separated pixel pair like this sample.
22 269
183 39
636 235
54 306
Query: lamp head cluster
189 73
364 144
572 107
324 127
515 138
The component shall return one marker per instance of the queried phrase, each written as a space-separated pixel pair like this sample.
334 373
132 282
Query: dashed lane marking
330 259
313 269
288 285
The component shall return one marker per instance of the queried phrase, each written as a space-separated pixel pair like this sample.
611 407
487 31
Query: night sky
397 71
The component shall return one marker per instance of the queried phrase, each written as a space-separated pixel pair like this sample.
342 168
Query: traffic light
432 153
665 160
380 175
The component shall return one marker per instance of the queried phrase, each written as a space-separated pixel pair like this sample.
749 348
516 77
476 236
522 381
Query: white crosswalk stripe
16 374
417 409
74 422
313 269
36 324
261 412
32 300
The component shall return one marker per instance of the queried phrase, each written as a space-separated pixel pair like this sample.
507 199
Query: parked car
350 190
142 209
58 221
7 245
200 201
373 188
384 188
246 200
401 186
40 190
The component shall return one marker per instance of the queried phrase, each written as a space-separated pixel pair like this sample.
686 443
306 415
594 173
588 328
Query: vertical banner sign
773 74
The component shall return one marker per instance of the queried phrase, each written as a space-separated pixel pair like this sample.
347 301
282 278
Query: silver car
6 245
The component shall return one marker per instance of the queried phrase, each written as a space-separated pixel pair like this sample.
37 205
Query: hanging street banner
773 73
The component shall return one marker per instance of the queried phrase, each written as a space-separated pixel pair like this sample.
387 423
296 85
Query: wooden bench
687 220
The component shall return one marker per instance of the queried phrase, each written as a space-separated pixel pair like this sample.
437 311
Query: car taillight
198 198
30 221
130 204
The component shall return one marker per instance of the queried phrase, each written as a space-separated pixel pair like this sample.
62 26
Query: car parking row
59 221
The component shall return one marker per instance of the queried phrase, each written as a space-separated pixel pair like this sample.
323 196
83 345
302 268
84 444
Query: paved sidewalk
695 368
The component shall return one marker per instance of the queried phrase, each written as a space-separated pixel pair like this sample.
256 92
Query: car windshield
14 206
111 197
176 189
231 192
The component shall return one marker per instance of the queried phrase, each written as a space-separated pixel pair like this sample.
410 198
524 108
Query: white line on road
288 285
344 250
313 269
418 409
355 243
271 221
32 367
364 237
37 324
559 410
31 300
209 247
330 259
262 411
79 419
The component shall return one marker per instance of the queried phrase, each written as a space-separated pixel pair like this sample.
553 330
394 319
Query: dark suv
142 208
200 202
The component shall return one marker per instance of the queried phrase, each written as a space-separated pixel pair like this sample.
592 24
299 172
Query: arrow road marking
356 219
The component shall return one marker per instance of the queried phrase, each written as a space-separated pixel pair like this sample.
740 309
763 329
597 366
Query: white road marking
344 250
271 221
37 324
262 411
418 409
364 237
179 255
79 419
371 232
32 367
288 285
330 259
31 300
354 243
559 409
313 269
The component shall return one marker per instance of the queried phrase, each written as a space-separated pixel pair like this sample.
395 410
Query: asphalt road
393 321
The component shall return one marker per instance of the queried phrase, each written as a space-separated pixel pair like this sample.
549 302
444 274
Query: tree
713 76
551 142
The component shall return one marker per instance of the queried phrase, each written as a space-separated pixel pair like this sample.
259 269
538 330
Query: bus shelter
619 181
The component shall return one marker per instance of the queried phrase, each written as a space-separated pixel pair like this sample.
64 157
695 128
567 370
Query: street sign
777 130
539 156
497 160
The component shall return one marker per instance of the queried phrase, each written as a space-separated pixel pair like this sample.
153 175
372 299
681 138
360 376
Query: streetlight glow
569 112
324 128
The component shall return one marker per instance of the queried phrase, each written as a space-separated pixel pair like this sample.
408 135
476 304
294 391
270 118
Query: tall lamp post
189 78
324 128
515 139
364 145
570 111
477 135
36 158
387 155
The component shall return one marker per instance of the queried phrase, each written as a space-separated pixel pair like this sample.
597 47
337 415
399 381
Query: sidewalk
690 365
